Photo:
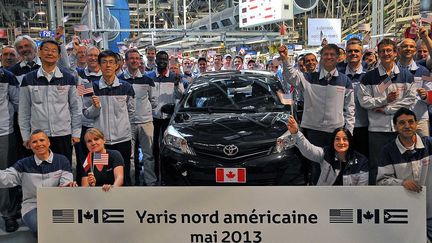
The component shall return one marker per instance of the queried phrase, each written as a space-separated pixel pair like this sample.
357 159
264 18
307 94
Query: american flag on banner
100 160
86 88
63 216
341 216
384 84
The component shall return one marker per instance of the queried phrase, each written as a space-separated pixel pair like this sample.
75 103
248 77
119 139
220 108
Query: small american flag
63 216
384 84
341 216
100 159
86 88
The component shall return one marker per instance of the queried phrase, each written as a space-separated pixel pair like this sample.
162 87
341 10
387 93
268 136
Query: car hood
231 128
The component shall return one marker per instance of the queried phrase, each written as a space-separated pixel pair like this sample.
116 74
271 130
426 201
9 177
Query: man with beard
150 54
187 72
167 90
27 50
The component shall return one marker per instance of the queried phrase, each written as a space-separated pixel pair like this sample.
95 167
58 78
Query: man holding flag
382 92
112 107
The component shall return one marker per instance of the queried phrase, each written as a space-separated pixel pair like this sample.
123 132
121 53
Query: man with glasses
382 92
48 100
112 107
328 99
355 70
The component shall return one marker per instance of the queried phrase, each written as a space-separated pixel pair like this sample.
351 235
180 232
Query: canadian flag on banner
234 175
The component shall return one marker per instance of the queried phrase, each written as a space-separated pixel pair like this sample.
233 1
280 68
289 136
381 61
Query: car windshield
233 94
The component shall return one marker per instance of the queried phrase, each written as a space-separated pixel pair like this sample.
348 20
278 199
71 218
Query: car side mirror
168 108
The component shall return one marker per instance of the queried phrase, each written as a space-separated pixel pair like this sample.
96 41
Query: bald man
407 50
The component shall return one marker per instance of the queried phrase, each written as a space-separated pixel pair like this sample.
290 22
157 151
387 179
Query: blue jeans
30 219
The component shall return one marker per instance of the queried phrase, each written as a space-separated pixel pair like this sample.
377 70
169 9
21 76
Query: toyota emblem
230 150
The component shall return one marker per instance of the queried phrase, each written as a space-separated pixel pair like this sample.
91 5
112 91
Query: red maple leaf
230 175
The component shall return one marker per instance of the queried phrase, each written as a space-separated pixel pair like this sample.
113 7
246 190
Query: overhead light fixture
40 13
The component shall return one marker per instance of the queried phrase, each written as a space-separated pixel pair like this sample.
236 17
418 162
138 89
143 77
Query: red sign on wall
3 33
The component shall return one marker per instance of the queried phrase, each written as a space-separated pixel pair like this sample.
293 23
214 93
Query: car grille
216 151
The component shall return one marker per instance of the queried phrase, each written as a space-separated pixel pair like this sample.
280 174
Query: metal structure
151 17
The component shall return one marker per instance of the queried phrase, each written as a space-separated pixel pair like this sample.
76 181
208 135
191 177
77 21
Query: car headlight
174 140
284 142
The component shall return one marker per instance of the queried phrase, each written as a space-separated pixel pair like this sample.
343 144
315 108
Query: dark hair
108 53
330 47
151 48
36 131
241 58
310 54
132 50
160 53
354 40
251 61
202 59
387 42
403 111
350 151
50 42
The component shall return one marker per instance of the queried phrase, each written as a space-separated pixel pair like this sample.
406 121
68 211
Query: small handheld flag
100 160
86 88
87 163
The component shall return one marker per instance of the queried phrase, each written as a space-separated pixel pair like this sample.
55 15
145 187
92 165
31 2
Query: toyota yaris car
229 128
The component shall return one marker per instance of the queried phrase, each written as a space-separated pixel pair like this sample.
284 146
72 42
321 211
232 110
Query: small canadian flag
230 175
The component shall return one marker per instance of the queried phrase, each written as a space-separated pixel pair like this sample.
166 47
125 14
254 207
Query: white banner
231 214
318 29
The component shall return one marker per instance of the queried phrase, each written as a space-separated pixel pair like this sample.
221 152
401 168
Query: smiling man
382 92
44 168
48 101
405 161
407 51
328 98
142 125
8 57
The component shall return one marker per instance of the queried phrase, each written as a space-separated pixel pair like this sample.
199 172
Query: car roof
223 74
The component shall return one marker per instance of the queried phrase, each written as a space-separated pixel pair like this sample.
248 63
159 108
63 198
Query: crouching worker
340 164
102 167
43 169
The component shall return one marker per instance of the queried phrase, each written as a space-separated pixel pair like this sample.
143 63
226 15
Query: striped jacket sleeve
307 149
